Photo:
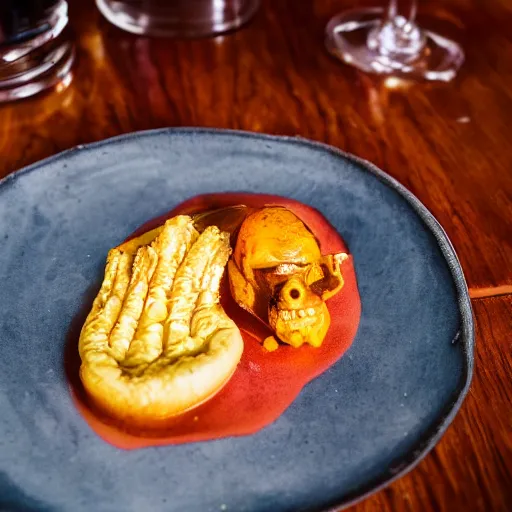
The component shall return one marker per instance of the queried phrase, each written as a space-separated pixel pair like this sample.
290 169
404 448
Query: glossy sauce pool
265 383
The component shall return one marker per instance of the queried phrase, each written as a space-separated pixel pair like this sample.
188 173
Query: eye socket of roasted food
279 274
157 342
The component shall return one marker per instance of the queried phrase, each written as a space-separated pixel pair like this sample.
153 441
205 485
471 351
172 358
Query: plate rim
466 338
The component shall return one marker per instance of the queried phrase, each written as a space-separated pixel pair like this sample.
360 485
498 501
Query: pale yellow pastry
157 342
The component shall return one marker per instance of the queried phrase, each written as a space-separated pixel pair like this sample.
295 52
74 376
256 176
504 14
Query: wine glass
389 42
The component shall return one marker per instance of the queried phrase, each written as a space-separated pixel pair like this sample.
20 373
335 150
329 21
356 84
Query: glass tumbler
36 52
178 18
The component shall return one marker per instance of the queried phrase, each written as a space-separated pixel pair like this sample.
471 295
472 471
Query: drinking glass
35 50
389 41
178 18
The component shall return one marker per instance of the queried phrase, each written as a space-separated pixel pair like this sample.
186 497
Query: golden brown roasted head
278 273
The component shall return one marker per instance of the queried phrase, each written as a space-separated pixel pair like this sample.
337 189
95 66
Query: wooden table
449 144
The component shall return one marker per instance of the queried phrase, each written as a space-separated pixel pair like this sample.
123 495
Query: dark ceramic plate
367 420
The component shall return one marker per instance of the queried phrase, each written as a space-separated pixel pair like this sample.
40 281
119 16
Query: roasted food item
278 274
157 342
268 378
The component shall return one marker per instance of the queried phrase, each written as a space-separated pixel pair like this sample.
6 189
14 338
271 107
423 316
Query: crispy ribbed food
157 342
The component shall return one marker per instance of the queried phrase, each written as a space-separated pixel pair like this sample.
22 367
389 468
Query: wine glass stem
398 34
405 8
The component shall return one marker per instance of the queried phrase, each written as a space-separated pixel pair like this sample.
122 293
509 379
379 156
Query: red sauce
265 383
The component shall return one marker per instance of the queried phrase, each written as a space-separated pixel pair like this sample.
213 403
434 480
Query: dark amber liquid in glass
21 20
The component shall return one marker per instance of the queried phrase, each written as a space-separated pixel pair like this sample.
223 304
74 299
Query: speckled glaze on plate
364 422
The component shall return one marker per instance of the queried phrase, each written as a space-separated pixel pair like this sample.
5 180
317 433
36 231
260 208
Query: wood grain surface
471 468
448 143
